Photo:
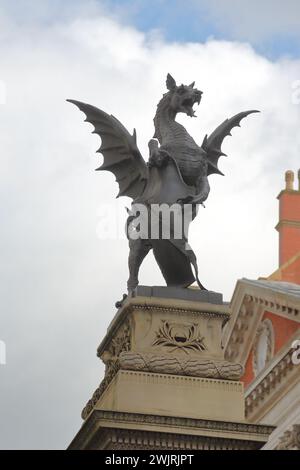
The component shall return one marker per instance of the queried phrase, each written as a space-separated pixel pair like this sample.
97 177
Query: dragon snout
198 96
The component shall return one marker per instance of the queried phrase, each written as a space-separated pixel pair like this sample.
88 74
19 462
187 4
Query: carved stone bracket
109 375
120 342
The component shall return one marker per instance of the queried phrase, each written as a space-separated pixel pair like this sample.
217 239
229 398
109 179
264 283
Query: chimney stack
289 219
289 180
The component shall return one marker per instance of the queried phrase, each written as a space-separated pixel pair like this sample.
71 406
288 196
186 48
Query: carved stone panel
179 336
167 330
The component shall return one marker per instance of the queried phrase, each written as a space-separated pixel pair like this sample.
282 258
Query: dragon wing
212 144
119 149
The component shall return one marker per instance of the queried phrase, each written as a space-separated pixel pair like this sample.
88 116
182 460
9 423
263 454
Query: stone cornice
182 422
171 425
290 223
294 192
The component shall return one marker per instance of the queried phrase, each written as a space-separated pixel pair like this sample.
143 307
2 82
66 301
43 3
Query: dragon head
182 97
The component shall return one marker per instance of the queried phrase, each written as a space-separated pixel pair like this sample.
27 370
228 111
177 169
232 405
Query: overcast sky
59 280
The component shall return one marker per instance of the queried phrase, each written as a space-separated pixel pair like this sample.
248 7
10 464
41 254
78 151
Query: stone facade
267 311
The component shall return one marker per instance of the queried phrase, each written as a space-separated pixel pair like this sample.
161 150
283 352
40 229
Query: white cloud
58 281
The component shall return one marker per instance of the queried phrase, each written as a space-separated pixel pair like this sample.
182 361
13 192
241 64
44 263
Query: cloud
59 282
256 20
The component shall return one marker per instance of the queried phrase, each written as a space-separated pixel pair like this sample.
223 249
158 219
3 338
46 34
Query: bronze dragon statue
176 175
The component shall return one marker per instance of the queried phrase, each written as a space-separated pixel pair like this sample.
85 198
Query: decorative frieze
120 439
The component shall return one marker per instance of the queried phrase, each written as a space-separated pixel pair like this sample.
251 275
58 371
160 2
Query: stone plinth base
167 384
174 395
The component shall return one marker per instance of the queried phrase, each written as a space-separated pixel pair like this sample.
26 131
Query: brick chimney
289 219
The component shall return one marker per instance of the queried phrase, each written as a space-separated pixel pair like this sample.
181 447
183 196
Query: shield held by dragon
176 175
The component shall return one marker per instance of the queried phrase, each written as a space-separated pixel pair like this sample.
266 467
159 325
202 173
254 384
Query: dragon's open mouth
188 104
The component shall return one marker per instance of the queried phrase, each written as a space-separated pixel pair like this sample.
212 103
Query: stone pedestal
167 384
